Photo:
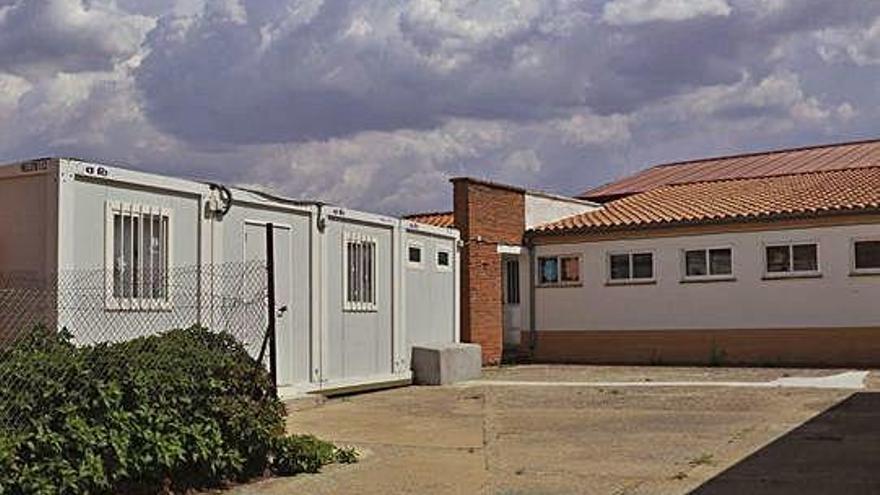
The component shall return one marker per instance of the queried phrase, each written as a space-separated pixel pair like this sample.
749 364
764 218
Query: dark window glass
442 258
778 259
867 255
619 266
720 262
695 263
415 254
548 269
571 269
643 265
512 279
805 257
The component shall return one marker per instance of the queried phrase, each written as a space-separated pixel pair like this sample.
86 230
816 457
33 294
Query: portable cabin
353 290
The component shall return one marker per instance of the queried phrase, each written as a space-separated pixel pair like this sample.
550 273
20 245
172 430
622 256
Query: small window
714 263
443 259
631 267
137 257
792 259
866 256
360 274
559 270
415 254
511 279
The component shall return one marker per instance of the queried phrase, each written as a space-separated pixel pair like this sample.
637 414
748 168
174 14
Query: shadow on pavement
837 451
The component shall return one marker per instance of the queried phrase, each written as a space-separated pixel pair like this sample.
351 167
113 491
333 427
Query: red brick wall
487 215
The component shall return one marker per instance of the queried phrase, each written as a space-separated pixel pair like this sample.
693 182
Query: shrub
187 408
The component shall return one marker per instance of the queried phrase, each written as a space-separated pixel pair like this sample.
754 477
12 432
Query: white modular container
351 303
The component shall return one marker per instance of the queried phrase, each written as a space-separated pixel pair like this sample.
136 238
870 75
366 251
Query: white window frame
131 303
559 282
768 275
709 277
359 306
421 247
437 265
630 281
852 253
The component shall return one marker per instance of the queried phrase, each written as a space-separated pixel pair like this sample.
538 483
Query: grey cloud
45 36
302 70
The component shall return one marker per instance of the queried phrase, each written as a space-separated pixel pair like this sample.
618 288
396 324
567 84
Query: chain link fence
99 306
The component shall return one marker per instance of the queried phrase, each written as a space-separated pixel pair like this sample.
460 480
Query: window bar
148 258
163 258
139 245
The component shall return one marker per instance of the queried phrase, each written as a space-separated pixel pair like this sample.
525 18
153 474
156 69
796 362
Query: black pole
270 281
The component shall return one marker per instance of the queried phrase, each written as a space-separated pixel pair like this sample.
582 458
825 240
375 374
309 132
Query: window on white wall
635 267
792 259
137 257
414 255
360 274
444 260
559 270
866 256
714 263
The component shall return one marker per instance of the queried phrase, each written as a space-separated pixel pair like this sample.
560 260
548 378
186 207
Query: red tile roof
753 165
437 219
776 196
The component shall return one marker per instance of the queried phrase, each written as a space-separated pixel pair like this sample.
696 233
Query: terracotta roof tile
731 200
767 164
437 219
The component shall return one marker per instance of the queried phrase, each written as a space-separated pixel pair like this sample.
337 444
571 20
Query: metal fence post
270 281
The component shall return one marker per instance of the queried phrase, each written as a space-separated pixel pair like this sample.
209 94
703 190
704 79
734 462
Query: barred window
360 274
511 278
137 257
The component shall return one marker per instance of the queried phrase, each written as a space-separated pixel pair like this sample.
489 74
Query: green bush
187 408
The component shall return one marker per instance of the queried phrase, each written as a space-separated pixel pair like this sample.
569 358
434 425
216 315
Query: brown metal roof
802 194
766 164
437 219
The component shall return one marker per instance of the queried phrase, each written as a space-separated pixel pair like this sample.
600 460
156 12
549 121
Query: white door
292 344
512 295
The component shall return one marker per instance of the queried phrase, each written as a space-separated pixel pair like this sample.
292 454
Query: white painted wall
541 209
836 299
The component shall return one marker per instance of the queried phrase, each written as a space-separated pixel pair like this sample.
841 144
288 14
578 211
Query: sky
375 104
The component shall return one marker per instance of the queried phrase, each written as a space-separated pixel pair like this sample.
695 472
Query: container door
292 344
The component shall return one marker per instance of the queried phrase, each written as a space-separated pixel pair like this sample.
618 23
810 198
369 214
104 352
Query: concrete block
442 364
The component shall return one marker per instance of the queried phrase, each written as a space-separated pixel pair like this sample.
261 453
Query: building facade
763 259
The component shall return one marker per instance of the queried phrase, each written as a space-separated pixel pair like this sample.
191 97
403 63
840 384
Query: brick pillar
487 215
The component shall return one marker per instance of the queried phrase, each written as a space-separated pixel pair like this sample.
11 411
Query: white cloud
583 129
858 45
628 12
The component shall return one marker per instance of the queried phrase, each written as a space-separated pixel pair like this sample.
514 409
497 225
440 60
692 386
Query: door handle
280 311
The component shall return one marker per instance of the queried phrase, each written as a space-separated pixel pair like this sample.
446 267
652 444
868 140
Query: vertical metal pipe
270 281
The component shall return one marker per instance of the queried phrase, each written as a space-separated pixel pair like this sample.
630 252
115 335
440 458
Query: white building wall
836 299
541 208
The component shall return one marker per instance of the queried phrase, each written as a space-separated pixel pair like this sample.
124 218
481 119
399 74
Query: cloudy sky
376 103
